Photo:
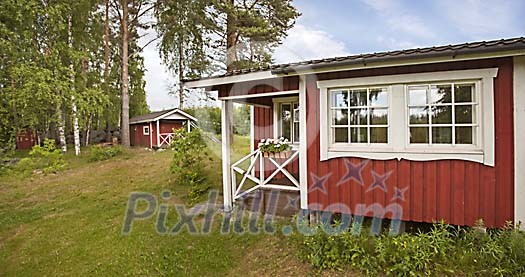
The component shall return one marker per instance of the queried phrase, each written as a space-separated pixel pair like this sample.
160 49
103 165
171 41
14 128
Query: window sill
407 154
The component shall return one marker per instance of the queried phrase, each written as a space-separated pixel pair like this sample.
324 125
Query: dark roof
427 52
148 117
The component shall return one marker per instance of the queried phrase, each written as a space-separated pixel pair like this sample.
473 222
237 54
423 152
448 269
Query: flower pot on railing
278 155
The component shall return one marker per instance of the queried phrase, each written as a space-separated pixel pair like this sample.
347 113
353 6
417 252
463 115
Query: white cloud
305 43
400 19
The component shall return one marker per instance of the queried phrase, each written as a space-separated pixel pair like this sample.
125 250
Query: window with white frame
417 116
359 115
287 120
445 113
145 130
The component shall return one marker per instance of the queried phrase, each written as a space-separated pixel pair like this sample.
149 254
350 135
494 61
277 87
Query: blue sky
342 27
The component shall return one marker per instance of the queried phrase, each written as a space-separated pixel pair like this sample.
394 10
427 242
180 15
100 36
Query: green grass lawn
70 224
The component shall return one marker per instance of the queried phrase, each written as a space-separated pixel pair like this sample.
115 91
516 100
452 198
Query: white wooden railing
165 138
261 181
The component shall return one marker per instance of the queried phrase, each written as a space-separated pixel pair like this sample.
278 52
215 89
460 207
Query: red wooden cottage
438 132
155 130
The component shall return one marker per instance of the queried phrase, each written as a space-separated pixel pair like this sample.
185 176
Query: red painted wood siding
137 135
25 139
458 192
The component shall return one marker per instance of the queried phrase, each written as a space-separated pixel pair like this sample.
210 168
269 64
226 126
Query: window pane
358 117
418 96
441 94
464 135
340 99
419 135
378 97
442 115
378 116
419 115
358 98
295 112
340 117
359 135
464 93
378 135
464 114
296 132
286 121
442 135
340 134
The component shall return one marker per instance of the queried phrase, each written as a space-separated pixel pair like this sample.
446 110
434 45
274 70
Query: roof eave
373 62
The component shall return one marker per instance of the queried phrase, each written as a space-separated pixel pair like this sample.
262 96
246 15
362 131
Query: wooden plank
444 191
416 198
392 182
458 192
472 186
430 192
404 181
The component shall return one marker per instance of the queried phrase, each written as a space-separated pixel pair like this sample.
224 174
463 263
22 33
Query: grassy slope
69 224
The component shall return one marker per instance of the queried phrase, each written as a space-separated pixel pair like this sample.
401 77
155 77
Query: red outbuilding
434 133
26 139
155 130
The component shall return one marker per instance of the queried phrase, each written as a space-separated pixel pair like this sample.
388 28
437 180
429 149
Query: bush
100 153
189 153
442 251
46 158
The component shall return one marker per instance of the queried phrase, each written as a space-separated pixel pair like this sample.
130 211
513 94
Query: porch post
189 125
158 133
226 123
303 144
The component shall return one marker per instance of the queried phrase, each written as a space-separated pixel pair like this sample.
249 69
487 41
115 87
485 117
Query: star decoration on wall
319 182
379 181
292 202
400 194
353 172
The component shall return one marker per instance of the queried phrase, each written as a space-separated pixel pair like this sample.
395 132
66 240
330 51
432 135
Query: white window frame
145 130
439 146
398 146
277 102
363 146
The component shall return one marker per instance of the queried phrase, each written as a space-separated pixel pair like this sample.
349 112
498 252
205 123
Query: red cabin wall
459 192
138 137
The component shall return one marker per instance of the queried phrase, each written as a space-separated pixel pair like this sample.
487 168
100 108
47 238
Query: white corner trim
397 147
411 78
158 132
519 140
256 95
303 144
150 137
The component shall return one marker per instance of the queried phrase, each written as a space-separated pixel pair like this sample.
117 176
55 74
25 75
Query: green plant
443 250
46 158
274 146
100 153
189 154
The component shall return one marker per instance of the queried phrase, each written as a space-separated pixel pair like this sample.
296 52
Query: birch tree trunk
76 131
181 76
61 129
125 78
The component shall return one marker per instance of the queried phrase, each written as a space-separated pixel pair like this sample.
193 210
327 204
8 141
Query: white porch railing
165 138
261 181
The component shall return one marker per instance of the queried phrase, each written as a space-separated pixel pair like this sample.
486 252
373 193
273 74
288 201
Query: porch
272 115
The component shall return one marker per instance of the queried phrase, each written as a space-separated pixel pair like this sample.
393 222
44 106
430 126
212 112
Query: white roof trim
260 75
188 116
264 94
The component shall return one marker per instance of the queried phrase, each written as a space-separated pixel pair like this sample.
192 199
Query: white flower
260 144
267 143
262 140
286 141
278 145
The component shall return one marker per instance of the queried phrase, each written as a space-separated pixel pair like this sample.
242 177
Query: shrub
100 153
443 250
46 158
189 153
